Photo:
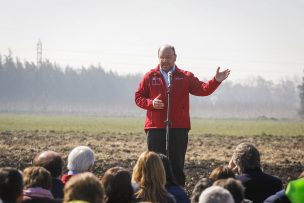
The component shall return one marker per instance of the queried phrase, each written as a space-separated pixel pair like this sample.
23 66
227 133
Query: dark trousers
178 140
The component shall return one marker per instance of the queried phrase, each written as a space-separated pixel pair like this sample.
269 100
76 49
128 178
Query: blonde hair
84 186
36 176
149 173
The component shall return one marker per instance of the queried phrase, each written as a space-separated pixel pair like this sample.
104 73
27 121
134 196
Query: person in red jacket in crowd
152 96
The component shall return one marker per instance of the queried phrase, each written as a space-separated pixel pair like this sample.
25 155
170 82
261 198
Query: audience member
84 187
149 175
37 184
117 185
81 159
53 162
216 194
258 185
235 188
221 172
171 185
294 192
199 188
11 185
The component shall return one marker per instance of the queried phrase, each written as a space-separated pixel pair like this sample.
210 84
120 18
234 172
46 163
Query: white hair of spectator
81 159
216 194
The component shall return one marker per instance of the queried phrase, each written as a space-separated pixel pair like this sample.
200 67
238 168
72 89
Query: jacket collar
156 69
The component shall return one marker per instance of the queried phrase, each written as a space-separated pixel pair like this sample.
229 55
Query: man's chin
166 68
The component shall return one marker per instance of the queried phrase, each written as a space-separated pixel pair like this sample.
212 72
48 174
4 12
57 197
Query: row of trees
54 89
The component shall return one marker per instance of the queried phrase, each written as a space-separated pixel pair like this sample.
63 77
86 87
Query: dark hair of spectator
117 185
11 185
200 186
234 186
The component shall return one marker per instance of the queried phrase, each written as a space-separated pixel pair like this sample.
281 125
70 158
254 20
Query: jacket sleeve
200 88
142 94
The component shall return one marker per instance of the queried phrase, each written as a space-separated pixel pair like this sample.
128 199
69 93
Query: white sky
251 37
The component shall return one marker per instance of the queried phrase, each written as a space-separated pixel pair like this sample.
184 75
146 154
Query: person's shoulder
272 178
183 72
170 198
278 197
152 72
179 193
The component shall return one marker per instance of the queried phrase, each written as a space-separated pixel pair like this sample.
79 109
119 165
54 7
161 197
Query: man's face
166 58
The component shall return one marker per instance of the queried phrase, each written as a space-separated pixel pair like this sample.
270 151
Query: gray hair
80 159
165 46
246 157
216 194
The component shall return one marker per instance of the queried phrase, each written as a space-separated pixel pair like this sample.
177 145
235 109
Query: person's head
235 187
51 161
149 173
200 186
166 57
216 194
117 185
36 176
246 157
81 159
170 179
221 172
84 187
11 185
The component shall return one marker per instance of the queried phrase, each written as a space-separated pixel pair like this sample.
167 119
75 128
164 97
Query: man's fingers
157 103
218 69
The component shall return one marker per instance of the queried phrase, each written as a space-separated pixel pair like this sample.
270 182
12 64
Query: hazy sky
251 37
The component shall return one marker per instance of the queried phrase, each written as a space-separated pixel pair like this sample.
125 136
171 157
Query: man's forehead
166 50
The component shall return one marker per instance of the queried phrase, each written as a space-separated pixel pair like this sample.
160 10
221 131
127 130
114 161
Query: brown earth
281 156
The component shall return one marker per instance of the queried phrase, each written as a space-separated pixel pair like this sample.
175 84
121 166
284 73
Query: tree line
24 87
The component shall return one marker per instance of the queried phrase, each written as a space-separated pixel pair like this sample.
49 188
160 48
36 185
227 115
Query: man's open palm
221 76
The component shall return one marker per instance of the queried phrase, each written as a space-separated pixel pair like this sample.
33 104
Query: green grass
91 124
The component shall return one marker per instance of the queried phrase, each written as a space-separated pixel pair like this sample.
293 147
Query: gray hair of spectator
246 157
81 159
216 194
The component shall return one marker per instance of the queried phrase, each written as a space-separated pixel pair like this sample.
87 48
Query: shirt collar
163 72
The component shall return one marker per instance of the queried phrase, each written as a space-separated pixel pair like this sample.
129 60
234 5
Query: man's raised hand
221 76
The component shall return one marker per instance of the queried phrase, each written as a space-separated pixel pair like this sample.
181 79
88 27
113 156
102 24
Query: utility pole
39 54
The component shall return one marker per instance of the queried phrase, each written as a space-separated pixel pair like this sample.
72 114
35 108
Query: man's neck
172 69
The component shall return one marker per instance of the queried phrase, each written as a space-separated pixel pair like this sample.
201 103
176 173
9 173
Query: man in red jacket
152 96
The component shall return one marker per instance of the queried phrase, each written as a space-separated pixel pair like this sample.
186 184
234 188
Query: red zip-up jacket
183 83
